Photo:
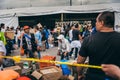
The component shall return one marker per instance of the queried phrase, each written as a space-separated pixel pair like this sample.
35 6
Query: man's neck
106 29
76 29
28 33
37 31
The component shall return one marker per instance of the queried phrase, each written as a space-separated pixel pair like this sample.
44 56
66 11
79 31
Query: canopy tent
10 21
36 11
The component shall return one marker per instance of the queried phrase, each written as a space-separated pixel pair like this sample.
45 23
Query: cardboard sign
10 34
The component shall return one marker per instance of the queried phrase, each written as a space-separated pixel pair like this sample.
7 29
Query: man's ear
102 23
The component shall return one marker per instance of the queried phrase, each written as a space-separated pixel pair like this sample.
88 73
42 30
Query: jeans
18 43
76 52
64 57
39 55
30 52
47 44
9 47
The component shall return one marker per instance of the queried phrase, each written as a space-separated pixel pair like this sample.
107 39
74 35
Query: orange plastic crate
52 58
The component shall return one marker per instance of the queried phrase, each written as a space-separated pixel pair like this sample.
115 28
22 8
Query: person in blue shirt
94 30
47 33
38 38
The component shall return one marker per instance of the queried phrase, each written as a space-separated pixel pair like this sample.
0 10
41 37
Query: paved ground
51 51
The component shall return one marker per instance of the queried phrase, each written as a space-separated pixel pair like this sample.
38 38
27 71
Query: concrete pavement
52 52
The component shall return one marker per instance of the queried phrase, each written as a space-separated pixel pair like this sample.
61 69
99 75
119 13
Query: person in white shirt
70 33
2 53
18 34
63 47
2 48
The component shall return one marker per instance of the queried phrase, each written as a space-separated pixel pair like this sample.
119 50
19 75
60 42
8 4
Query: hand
38 48
65 53
58 53
80 77
111 70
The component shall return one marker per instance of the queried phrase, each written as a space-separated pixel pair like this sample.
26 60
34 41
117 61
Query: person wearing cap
28 42
63 47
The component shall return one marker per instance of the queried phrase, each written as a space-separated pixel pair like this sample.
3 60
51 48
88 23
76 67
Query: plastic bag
8 62
21 51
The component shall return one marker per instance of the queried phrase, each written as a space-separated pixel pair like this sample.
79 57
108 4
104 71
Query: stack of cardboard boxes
44 73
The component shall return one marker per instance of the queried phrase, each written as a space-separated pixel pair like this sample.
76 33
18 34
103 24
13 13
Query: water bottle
25 65
33 66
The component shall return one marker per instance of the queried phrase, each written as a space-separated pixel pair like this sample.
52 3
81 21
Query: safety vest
2 38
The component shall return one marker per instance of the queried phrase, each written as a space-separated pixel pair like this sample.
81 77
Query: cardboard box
15 68
19 64
37 74
26 71
51 73
10 34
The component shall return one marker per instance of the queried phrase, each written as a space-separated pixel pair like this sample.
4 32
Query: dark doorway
49 20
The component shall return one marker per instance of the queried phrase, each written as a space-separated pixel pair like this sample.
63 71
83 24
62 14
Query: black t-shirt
102 48
75 34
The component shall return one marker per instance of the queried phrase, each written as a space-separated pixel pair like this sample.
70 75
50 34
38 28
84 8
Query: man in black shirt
76 40
101 48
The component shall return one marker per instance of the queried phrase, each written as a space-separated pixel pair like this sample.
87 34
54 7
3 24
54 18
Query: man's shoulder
116 35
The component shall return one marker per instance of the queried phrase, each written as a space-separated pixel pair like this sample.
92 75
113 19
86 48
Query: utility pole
30 3
81 2
70 2
62 17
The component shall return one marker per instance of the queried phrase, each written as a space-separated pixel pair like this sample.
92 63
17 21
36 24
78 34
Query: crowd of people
99 43
23 36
